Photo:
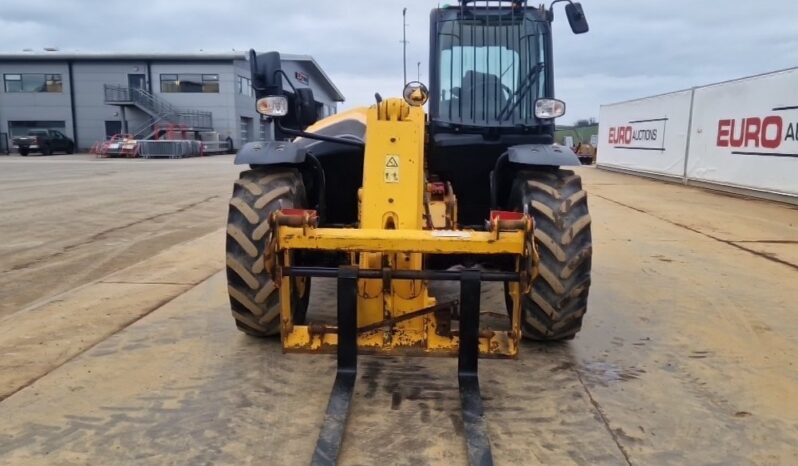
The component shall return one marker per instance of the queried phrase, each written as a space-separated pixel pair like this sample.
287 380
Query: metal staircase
159 110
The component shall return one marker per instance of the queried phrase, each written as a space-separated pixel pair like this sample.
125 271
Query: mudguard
542 154
270 153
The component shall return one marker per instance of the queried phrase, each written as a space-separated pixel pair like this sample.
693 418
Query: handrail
115 94
147 128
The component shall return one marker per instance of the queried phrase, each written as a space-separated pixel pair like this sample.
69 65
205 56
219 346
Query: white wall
647 135
745 133
742 134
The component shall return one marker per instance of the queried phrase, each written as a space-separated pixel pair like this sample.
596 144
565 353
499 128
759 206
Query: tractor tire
254 300
554 307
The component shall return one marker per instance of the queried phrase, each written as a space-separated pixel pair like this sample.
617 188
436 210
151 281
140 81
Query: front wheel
554 307
254 299
24 151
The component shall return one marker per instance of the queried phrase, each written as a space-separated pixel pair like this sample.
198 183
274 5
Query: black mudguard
270 153
542 154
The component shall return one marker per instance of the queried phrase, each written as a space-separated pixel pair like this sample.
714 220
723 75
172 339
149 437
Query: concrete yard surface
67 220
39 338
688 355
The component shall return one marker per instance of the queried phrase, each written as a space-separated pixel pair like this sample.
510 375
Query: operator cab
491 88
491 70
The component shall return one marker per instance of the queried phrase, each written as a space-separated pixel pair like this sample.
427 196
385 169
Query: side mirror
576 18
306 113
267 79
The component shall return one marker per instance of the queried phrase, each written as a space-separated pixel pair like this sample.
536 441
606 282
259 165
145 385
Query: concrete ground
688 354
68 220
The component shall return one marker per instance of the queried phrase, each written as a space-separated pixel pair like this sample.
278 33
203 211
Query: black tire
24 152
70 149
254 300
554 308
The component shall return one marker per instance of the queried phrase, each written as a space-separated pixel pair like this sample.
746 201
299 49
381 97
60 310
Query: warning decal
391 169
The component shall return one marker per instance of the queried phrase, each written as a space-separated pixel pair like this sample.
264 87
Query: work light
549 108
273 106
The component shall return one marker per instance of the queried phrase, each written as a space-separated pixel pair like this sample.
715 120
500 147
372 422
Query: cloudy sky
634 48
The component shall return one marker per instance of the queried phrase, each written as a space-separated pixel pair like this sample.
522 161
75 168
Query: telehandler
387 198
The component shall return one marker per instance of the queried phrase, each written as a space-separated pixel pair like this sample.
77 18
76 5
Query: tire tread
554 308
257 193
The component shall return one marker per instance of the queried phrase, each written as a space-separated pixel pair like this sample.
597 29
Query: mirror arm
550 13
318 137
282 73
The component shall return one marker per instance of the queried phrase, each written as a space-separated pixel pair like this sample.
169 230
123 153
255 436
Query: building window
244 86
205 83
22 128
246 129
264 131
33 82
210 83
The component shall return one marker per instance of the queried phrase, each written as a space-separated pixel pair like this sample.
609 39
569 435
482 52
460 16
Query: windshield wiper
515 100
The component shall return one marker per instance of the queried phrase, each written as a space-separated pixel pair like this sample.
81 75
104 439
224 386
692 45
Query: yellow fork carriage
383 302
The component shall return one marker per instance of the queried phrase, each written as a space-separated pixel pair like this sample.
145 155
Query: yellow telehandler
388 198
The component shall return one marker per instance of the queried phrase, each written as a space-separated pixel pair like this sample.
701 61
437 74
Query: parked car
45 141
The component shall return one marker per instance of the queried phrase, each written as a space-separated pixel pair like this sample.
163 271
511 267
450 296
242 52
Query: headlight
273 106
549 108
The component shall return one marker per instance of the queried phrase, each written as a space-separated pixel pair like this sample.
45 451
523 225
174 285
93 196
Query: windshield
491 70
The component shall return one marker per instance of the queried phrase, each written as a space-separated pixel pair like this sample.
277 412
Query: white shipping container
646 135
745 133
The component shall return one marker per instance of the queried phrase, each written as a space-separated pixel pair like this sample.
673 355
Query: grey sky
634 48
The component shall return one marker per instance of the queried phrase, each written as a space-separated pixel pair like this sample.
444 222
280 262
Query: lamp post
404 45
